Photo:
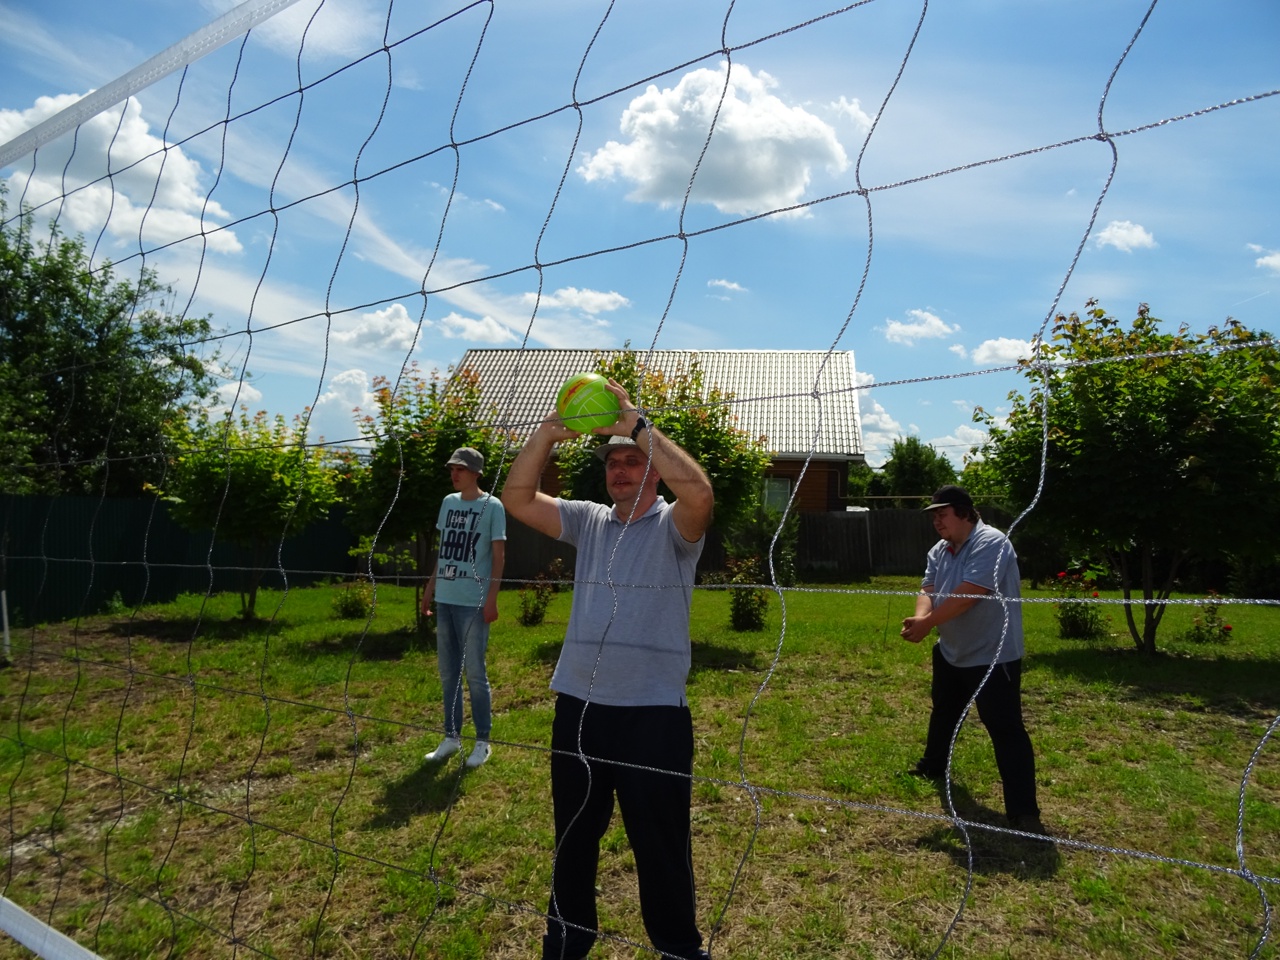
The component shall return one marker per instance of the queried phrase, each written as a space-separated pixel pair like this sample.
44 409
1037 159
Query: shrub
354 601
1078 619
747 603
1209 627
534 600
751 537
559 577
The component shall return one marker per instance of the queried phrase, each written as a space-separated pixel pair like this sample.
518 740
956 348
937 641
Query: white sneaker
480 754
448 747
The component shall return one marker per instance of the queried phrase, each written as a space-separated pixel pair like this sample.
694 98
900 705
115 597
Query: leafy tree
1161 446
413 431
252 481
90 368
699 418
1041 552
860 479
913 470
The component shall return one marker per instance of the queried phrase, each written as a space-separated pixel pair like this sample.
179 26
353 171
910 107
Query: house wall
550 482
823 487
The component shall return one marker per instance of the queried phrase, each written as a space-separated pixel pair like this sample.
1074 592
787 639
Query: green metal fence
63 557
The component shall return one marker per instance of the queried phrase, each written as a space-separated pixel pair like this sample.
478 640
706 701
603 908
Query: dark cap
468 457
951 496
613 443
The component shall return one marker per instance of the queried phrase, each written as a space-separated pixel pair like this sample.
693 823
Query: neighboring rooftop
773 391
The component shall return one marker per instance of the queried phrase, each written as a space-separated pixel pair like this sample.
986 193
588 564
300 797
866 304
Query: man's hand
915 629
626 422
552 428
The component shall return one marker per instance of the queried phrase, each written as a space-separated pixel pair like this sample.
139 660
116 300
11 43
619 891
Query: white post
38 937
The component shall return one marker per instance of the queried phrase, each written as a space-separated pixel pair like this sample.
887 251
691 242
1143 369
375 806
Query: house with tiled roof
803 402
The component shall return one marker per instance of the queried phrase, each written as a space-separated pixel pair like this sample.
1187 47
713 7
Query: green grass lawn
175 777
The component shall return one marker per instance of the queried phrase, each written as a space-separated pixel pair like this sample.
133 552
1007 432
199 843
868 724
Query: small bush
559 577
534 599
1078 619
747 603
354 601
1209 627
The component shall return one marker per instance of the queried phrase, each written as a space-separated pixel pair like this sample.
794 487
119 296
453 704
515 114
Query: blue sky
966 264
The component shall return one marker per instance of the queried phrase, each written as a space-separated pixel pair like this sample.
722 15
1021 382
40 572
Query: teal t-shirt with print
465 561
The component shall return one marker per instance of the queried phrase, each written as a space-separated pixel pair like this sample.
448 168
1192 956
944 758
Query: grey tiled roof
773 391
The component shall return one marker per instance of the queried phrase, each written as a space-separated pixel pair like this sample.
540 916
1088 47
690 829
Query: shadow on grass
374 645
390 643
705 656
185 629
993 852
428 788
1239 685
711 656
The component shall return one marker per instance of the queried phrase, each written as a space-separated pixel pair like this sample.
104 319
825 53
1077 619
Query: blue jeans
462 638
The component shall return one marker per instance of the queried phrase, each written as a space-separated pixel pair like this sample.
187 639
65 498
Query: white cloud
727 285
853 110
923 325
162 195
1268 260
959 350
879 431
343 30
1000 351
956 445
333 416
879 428
485 330
761 156
590 301
456 196
1125 236
235 395
391 327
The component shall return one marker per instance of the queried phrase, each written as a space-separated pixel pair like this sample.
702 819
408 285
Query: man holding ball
620 680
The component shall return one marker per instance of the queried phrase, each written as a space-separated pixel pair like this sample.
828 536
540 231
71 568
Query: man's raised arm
520 494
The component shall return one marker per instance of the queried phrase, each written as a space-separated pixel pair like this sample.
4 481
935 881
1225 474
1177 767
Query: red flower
1095 593
1062 574
1226 626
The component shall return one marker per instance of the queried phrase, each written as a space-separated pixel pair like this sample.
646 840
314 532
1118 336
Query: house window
777 491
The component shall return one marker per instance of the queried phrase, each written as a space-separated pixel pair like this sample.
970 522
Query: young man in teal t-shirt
464 585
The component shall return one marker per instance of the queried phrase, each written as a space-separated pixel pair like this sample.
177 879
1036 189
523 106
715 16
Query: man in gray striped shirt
622 724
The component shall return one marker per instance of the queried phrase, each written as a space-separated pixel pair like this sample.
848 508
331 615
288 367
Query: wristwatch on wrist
641 424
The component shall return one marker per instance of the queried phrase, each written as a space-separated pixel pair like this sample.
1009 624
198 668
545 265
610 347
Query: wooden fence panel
857 545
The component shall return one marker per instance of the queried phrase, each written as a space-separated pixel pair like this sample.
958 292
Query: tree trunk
1154 596
249 593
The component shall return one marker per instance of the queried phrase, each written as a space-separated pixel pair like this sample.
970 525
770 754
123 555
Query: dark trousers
1000 709
655 812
